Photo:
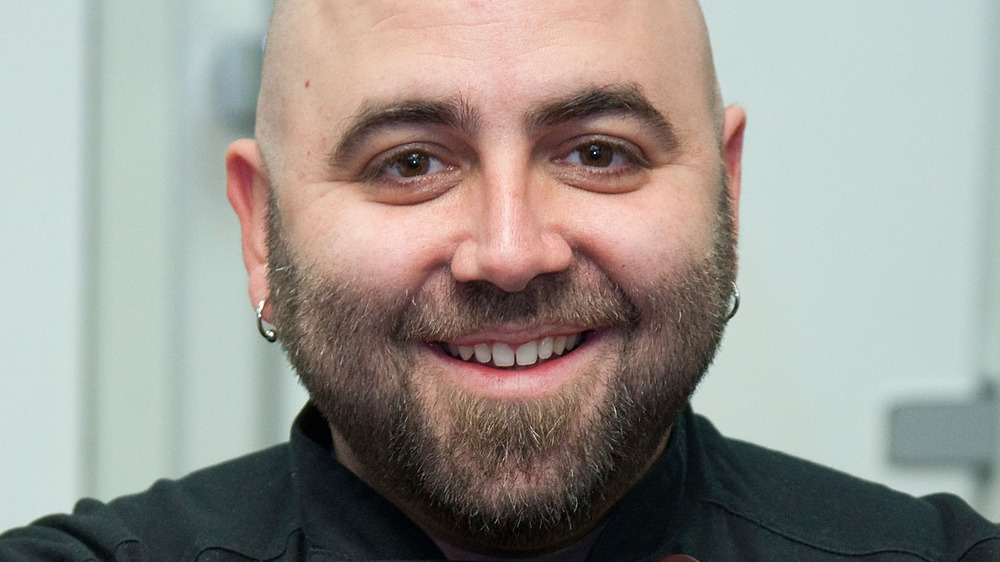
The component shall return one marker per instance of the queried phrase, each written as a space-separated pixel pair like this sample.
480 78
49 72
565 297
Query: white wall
43 150
867 166
237 394
182 379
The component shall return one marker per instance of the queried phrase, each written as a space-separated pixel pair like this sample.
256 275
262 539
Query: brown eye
597 155
407 166
601 164
412 165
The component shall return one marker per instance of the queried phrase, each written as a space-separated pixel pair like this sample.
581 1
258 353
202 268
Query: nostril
510 260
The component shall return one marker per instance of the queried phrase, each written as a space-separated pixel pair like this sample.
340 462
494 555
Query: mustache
574 297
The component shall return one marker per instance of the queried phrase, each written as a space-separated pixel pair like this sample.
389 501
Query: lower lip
524 382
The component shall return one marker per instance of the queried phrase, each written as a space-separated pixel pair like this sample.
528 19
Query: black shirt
713 498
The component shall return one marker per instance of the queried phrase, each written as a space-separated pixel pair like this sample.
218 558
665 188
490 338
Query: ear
732 155
248 188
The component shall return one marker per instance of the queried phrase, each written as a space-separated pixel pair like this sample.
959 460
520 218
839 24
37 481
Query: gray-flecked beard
503 475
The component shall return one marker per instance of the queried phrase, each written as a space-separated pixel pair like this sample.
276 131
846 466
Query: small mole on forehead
308 82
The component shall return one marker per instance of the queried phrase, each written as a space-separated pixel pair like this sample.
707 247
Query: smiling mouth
504 356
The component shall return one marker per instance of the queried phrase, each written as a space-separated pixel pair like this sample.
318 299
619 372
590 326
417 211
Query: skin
507 198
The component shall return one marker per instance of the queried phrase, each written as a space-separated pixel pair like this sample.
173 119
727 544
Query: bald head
307 38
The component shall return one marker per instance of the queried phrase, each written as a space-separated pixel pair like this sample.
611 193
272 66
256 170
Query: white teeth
559 345
483 353
527 354
571 341
503 355
545 348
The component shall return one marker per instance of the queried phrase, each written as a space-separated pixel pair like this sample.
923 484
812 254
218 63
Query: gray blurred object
237 80
948 433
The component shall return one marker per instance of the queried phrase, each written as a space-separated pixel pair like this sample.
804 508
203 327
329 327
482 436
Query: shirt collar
342 517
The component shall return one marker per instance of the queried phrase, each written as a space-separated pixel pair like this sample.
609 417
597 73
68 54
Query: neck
576 552
571 549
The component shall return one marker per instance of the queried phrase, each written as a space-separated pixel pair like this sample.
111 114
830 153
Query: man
497 242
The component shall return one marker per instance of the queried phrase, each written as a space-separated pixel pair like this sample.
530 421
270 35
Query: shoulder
242 506
245 505
809 506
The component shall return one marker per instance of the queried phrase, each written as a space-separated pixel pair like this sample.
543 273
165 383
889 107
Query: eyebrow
620 99
626 100
376 117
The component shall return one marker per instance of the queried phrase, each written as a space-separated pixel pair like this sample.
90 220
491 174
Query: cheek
638 239
397 246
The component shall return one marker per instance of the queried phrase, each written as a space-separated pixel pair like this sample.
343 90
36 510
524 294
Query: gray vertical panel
136 273
232 379
988 350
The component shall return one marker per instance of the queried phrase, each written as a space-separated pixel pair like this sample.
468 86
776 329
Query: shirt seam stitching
976 544
251 556
824 548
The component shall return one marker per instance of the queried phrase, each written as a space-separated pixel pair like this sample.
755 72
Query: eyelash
382 165
633 157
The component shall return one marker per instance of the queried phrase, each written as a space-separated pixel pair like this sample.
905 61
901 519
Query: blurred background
870 244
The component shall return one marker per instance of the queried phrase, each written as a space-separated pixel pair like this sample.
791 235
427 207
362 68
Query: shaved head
285 69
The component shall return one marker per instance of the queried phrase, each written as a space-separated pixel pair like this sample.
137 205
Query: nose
513 236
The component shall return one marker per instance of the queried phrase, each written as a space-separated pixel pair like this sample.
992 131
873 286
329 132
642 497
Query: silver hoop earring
269 334
735 303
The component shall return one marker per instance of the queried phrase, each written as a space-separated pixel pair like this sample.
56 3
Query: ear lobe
248 189
732 154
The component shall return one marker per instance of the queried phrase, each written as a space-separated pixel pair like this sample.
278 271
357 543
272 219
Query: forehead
511 17
501 56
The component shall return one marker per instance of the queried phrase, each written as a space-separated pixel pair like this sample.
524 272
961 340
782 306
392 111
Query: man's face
501 249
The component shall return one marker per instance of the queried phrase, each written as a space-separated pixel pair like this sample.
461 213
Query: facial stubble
518 475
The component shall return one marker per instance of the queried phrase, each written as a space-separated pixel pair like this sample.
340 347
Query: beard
504 474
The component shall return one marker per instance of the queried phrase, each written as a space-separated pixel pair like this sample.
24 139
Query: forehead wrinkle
617 99
374 116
